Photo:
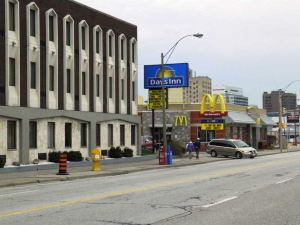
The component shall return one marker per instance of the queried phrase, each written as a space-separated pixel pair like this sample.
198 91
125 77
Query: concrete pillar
24 141
257 136
139 137
92 136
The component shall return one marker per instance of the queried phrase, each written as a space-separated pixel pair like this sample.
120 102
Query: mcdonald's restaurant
185 122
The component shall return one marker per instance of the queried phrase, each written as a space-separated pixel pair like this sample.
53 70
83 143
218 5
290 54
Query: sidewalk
115 167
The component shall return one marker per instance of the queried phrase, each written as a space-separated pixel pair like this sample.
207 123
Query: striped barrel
63 164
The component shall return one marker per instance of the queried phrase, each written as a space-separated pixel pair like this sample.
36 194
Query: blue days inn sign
175 76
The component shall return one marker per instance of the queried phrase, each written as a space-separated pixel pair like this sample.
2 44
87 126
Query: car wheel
213 153
238 155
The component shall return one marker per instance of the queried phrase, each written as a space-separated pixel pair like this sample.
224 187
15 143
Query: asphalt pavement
260 191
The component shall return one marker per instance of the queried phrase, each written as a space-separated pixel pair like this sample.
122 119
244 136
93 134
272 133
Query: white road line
284 181
18 193
219 202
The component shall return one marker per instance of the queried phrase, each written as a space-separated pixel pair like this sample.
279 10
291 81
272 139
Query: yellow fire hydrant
96 156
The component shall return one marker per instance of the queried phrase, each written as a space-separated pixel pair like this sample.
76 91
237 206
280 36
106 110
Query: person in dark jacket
197 146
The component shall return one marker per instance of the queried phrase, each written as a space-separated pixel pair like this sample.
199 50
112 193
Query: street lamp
280 111
163 56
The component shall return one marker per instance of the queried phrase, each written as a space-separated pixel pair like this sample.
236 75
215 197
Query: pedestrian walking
189 148
197 146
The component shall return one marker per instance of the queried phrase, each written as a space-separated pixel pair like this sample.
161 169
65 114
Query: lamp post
163 56
280 111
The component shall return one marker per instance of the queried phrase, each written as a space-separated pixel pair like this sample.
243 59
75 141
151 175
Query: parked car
230 147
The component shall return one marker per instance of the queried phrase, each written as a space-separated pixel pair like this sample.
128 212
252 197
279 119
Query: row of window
33 83
12 135
68 30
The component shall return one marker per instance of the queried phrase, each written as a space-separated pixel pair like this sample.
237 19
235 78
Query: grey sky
253 44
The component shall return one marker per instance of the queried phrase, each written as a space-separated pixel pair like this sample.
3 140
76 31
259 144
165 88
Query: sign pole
164 101
153 127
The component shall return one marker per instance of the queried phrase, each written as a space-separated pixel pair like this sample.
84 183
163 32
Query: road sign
212 126
155 99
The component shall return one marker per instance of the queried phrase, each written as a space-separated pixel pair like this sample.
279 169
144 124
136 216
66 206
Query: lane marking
284 181
18 193
219 202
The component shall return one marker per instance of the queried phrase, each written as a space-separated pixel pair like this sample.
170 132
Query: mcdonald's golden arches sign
181 121
212 112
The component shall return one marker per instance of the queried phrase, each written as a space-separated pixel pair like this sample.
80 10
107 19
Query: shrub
74 156
128 152
178 148
2 160
115 152
53 157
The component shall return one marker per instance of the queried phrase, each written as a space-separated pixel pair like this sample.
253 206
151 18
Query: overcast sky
252 44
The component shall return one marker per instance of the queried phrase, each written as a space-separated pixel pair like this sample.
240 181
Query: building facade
68 79
232 95
271 101
183 122
198 87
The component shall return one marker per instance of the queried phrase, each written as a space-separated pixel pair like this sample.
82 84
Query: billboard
293 118
175 75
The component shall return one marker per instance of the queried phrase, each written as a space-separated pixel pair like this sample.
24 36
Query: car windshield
240 144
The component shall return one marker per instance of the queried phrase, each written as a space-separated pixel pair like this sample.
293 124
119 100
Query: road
257 191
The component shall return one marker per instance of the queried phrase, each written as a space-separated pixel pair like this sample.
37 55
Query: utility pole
164 101
280 120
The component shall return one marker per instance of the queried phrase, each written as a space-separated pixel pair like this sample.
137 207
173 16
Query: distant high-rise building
198 87
271 101
232 95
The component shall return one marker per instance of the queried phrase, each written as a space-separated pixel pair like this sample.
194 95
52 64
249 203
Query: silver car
230 147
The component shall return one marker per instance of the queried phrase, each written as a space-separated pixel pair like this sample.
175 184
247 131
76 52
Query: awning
239 117
266 120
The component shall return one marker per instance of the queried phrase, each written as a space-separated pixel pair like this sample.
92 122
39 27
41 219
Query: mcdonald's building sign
213 102
181 121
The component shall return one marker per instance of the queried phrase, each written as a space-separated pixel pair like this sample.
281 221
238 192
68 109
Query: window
83 83
132 134
122 135
51 78
83 135
98 134
51 135
68 81
12 72
33 75
122 89
12 18
133 52
33 134
122 49
68 33
32 23
110 135
11 134
110 87
133 91
83 38
68 135
51 28
110 45
97 42
98 85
